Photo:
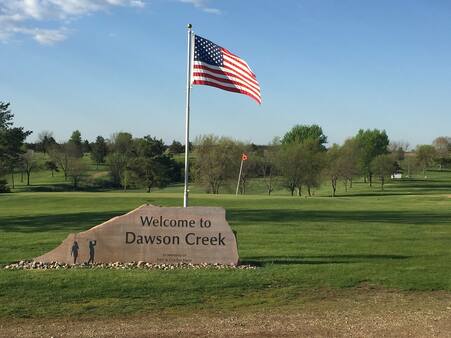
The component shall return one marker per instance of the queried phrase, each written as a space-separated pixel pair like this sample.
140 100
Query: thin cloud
137 3
49 36
43 36
32 17
202 5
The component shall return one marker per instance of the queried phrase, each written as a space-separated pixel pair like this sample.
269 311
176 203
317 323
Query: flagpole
187 111
239 176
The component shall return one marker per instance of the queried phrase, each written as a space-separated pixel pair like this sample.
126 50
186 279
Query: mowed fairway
303 247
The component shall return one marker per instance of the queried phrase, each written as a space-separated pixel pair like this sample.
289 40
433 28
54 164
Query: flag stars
207 51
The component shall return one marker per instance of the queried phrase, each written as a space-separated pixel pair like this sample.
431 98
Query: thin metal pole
239 177
188 101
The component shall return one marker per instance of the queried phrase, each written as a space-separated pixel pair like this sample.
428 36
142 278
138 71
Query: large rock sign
153 234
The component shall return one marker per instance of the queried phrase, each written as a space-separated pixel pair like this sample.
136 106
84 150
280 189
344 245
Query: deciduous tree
266 167
63 155
442 148
333 168
383 166
120 156
349 162
291 166
76 170
52 166
306 133
371 143
425 155
217 161
30 162
176 148
314 162
45 141
152 167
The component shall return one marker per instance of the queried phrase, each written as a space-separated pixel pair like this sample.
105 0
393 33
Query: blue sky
103 66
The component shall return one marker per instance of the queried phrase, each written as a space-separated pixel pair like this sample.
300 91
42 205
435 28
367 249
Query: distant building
396 176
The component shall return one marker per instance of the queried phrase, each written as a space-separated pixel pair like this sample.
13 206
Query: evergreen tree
11 144
99 150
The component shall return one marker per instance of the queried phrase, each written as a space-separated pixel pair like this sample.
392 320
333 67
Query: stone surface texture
152 234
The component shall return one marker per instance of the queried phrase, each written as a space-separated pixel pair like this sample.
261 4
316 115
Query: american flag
216 66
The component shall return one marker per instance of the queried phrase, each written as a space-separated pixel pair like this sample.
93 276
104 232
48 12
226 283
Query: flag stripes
217 67
199 68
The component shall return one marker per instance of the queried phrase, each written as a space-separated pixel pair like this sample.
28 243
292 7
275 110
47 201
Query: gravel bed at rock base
32 265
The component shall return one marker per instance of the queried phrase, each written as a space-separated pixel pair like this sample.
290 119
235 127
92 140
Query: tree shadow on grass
402 187
63 187
71 222
315 260
401 191
56 187
432 186
277 217
280 216
374 194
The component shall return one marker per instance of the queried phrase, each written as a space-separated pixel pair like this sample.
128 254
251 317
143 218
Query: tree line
131 162
299 161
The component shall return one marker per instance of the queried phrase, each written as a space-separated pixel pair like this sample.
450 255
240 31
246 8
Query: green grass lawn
398 239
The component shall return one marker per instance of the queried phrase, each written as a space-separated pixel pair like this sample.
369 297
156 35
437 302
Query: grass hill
399 239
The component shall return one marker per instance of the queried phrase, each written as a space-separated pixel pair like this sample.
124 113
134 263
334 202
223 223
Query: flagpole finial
189 26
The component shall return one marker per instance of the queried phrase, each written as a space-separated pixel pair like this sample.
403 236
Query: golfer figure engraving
92 245
74 251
